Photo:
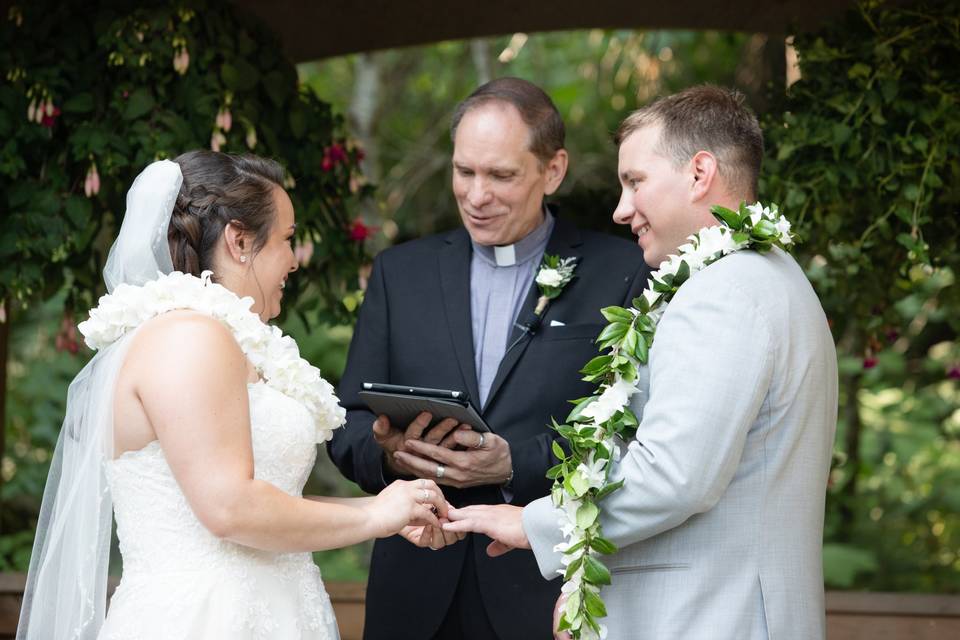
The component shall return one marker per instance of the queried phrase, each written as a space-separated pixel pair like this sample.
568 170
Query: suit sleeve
353 449
532 457
710 369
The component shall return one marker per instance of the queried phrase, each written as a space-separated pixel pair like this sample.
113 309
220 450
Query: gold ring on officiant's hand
440 471
479 444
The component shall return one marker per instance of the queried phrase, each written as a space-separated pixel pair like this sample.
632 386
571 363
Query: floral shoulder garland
274 355
596 422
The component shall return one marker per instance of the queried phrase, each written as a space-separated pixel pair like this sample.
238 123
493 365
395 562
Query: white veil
65 596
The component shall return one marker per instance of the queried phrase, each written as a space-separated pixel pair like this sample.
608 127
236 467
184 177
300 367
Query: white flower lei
274 355
597 422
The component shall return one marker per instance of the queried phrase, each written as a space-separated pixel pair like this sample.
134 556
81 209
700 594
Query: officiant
467 310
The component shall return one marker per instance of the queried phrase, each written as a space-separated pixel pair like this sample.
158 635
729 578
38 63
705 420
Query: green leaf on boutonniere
641 304
554 471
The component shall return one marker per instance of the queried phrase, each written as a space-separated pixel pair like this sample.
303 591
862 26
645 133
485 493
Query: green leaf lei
591 429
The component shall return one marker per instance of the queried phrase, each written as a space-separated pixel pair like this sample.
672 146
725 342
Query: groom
720 520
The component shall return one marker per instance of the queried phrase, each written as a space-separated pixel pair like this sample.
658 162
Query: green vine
93 92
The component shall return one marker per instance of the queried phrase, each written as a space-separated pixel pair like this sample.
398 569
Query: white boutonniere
554 274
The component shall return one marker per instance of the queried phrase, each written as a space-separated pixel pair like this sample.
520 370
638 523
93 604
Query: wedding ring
440 471
479 444
424 494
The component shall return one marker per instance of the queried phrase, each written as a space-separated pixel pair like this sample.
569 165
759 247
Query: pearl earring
243 258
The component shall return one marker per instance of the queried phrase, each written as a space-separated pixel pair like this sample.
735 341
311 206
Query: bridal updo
219 189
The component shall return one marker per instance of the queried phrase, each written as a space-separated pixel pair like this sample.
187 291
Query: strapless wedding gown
180 581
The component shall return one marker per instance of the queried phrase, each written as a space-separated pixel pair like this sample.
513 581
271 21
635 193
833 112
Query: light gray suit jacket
720 522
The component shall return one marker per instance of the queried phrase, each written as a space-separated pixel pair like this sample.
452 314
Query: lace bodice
162 541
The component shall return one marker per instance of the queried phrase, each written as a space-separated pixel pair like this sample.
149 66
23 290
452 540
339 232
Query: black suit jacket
415 329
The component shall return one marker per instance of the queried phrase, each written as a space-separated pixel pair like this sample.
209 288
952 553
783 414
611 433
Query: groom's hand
502 522
486 460
392 440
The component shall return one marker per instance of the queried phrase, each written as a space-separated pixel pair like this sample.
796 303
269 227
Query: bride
196 424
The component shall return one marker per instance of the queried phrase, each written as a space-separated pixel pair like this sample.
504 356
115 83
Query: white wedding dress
180 581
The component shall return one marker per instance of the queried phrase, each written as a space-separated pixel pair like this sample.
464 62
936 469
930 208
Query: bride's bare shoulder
185 340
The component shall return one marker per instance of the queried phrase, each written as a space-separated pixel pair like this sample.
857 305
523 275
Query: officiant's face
499 184
656 198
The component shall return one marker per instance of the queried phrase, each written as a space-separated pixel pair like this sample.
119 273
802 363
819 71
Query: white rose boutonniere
554 274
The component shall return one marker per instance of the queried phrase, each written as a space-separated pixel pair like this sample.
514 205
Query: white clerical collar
522 250
505 256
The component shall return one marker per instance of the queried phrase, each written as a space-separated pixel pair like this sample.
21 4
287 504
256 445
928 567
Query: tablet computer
403 404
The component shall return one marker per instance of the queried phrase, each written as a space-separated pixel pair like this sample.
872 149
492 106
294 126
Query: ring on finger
424 495
479 444
440 471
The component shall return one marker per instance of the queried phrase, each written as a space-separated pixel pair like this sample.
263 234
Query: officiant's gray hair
706 118
547 133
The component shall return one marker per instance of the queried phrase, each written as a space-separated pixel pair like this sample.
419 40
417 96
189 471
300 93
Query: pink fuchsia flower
217 140
303 251
66 339
224 119
91 185
326 164
953 373
181 61
359 231
869 362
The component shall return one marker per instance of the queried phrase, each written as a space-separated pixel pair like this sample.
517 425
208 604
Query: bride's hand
431 537
406 503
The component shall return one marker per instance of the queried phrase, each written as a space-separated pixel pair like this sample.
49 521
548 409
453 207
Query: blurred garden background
863 156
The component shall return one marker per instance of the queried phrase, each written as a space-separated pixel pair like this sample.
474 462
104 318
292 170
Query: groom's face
656 198
499 184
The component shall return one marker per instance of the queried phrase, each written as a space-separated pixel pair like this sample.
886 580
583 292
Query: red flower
360 154
359 231
953 373
50 119
326 164
869 362
337 153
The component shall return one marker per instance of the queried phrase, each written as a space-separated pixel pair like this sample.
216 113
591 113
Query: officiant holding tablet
505 309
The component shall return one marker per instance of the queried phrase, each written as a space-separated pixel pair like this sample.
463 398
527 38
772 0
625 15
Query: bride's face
267 270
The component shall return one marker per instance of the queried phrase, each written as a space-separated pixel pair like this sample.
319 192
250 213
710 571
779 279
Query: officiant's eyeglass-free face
266 276
499 184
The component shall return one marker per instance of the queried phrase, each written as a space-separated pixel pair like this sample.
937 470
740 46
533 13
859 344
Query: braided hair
219 189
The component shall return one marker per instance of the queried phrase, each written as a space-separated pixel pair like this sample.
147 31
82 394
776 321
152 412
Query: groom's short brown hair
706 118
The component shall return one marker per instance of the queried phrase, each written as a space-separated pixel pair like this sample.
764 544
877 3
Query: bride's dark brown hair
219 189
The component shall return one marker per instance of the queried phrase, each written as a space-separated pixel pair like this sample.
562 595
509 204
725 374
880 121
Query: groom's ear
703 170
